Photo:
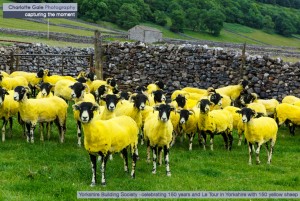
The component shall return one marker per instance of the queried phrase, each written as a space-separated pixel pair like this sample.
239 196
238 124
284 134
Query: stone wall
178 66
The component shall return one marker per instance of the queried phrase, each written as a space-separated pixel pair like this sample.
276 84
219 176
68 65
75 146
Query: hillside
74 30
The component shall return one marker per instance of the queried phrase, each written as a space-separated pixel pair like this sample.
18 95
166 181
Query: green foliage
213 21
128 16
160 18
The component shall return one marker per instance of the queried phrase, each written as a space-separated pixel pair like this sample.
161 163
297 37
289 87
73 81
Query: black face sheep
33 111
214 122
258 131
103 137
158 134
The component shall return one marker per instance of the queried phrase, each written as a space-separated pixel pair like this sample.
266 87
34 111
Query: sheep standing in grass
287 113
8 108
214 122
158 134
33 111
104 137
259 131
10 83
233 91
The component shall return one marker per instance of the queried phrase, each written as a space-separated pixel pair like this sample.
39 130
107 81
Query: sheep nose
111 107
15 98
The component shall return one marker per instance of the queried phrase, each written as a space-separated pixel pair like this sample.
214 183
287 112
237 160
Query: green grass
53 171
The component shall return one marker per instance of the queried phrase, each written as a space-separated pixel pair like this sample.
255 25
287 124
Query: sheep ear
239 111
178 111
52 86
95 107
259 114
155 108
75 107
103 97
191 112
254 113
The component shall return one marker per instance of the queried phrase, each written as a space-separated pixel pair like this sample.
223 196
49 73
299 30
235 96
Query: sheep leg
3 129
212 141
240 138
103 167
257 153
48 130
41 131
174 135
10 119
31 132
272 142
268 151
141 134
148 152
125 157
94 166
79 133
191 137
134 159
27 125
160 156
202 139
166 152
230 137
250 152
225 139
154 152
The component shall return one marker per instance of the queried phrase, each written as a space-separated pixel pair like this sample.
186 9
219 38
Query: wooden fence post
97 49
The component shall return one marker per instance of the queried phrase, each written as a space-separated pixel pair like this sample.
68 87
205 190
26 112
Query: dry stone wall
178 66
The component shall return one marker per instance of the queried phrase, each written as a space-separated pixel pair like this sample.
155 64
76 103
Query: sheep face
164 111
139 101
3 92
159 96
245 84
247 114
216 99
140 89
124 95
77 90
86 111
181 100
91 76
101 91
111 101
45 88
112 82
160 84
205 105
81 79
184 115
247 98
20 93
40 73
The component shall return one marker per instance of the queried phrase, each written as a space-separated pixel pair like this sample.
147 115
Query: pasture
52 171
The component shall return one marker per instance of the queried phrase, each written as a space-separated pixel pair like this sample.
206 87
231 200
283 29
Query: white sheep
33 111
158 134
258 131
104 137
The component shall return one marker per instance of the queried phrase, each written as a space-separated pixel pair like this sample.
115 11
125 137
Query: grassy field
53 171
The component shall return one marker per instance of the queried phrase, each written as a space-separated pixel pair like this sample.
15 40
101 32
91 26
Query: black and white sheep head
159 96
101 90
86 111
139 101
20 93
216 99
111 101
247 114
3 92
78 90
112 82
91 76
45 88
205 106
141 89
164 111
160 84
40 73
124 95
247 98
81 79
244 84
180 100
184 115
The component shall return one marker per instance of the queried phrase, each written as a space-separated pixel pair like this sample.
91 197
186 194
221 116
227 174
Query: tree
92 10
128 16
213 21
160 18
193 18
268 24
284 25
177 17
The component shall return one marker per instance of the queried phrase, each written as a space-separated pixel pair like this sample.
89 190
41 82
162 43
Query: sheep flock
110 120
